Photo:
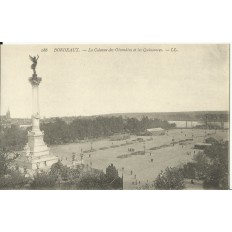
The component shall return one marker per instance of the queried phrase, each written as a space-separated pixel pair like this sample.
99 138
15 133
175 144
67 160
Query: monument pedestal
36 154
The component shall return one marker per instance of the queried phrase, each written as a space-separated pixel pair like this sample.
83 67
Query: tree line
59 131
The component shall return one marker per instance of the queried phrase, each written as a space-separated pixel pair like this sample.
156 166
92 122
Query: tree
13 138
6 159
189 170
201 165
113 178
211 166
218 170
111 173
59 170
171 178
4 163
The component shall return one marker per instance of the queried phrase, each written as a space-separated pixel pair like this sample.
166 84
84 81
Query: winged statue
34 60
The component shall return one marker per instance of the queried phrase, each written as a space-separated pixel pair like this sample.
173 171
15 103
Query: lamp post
122 171
81 158
122 176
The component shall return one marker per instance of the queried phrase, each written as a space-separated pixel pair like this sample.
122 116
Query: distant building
5 120
156 131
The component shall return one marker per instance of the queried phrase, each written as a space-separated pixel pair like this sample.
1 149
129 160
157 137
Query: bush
43 181
66 173
99 181
15 180
93 181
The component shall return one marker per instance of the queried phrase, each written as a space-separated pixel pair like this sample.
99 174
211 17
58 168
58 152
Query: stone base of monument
26 164
36 155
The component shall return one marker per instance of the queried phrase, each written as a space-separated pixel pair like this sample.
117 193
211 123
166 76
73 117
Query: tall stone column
35 81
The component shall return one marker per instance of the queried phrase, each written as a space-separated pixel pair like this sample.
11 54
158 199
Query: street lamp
81 158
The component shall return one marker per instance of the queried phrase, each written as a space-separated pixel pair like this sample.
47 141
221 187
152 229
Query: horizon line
150 112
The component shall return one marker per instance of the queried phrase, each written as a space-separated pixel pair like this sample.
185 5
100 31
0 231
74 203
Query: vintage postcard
114 117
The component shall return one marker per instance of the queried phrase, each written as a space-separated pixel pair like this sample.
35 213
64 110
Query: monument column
39 156
36 154
35 81
35 98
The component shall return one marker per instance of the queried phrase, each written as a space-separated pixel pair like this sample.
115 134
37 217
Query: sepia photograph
114 117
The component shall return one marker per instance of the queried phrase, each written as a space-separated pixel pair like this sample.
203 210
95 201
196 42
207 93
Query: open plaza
174 148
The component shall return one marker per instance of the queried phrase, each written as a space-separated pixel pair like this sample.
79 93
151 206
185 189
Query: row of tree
59 132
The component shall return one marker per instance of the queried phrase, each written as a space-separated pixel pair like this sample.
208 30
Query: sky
143 78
